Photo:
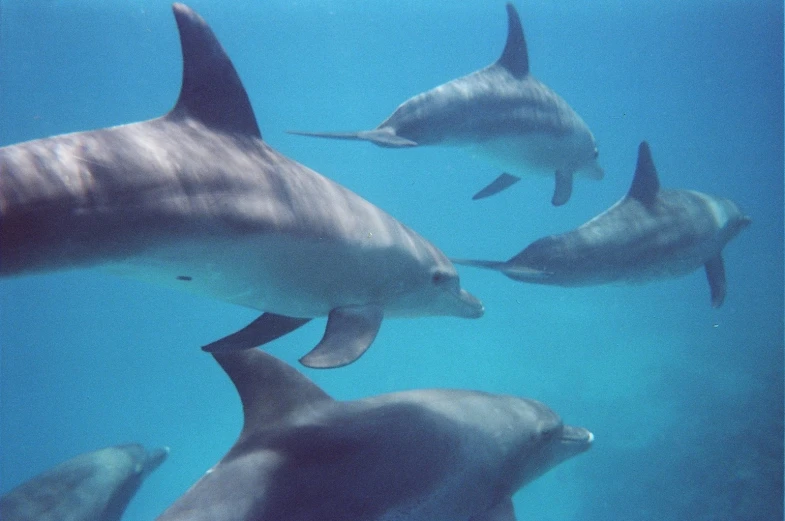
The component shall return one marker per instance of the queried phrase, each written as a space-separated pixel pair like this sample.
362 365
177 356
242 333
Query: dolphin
502 112
650 233
417 455
96 486
197 200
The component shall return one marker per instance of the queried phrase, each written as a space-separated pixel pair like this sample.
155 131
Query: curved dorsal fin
269 388
212 91
645 183
515 57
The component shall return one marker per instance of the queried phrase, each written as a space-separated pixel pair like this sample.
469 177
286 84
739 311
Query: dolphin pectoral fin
563 189
503 182
350 331
502 511
715 272
381 137
264 329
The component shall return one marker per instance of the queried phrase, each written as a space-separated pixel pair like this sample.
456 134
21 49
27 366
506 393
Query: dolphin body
650 233
501 111
96 486
196 199
421 455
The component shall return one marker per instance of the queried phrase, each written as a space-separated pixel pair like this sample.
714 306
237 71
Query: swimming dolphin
417 455
650 233
96 486
500 111
197 200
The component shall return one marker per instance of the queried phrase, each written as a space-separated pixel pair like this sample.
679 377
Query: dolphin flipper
715 272
350 331
264 329
503 182
563 189
382 137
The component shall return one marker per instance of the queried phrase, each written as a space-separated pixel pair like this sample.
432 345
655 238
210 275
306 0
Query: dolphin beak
470 306
577 438
155 458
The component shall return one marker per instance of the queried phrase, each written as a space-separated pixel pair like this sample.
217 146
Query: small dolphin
418 455
96 486
501 111
650 233
197 200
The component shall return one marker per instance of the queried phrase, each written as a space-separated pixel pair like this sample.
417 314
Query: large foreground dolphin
649 233
501 111
96 486
197 200
419 455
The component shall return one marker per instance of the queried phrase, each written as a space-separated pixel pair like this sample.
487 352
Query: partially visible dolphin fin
645 183
509 268
264 329
489 265
563 189
211 91
503 182
381 137
515 57
715 272
350 331
269 388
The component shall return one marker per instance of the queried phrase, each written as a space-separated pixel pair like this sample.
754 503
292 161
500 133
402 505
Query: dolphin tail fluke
715 272
381 137
563 189
350 331
503 182
264 329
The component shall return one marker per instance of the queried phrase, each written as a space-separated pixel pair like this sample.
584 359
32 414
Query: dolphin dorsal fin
269 388
212 91
645 183
515 57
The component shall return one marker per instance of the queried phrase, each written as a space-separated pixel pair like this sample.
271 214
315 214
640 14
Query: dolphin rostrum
196 199
419 455
500 111
96 486
650 233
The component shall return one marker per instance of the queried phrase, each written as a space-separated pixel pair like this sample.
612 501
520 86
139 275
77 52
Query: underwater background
685 401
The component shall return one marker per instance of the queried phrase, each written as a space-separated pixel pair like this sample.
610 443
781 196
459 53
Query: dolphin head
730 219
543 441
432 288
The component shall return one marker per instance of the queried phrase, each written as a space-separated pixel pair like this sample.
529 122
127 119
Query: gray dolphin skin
96 486
421 455
502 112
650 233
197 200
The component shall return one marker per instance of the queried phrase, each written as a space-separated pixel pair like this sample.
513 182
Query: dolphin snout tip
472 306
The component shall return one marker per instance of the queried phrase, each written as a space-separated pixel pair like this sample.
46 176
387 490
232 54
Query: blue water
686 402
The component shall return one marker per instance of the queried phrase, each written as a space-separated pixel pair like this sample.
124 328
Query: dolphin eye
439 277
596 153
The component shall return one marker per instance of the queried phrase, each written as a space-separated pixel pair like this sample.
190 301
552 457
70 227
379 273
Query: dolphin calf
650 233
419 455
502 112
197 200
96 486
